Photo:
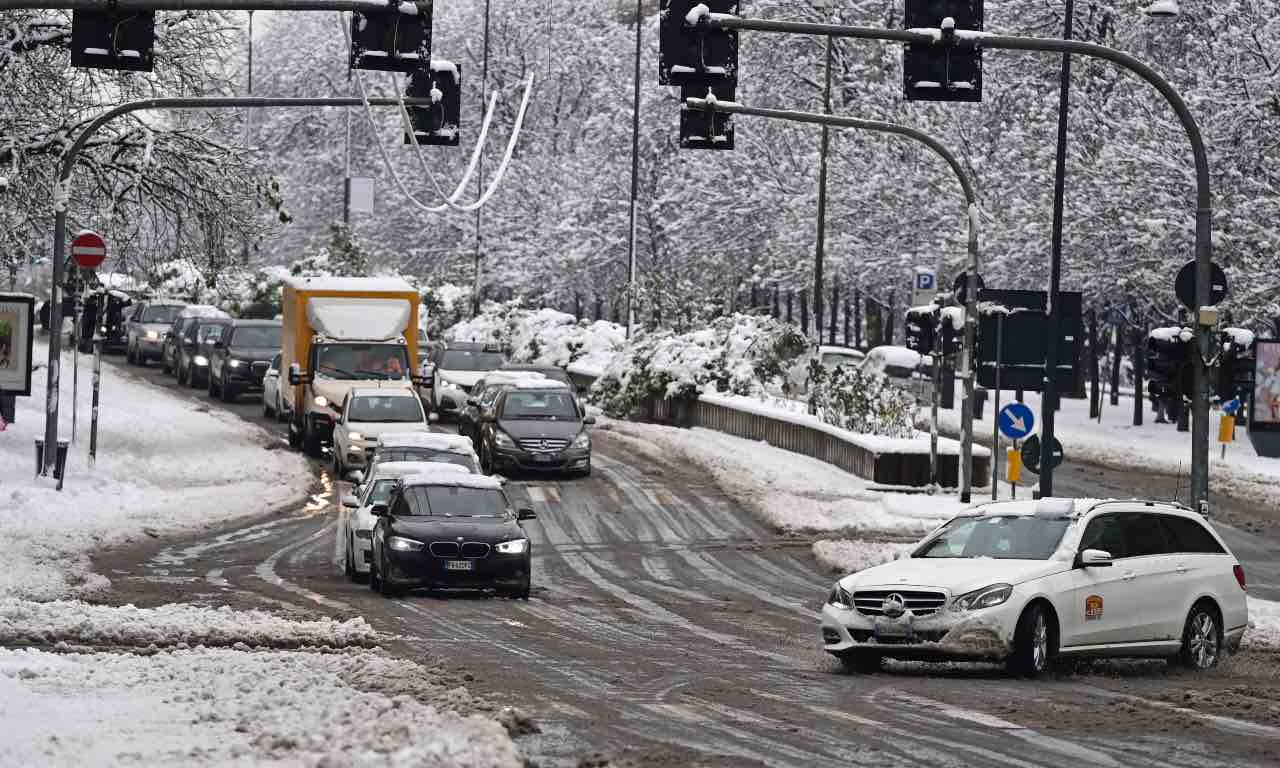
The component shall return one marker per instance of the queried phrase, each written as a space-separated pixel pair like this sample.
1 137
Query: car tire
386 590
227 391
182 376
1034 644
486 460
1201 638
213 390
375 583
128 354
267 411
338 469
165 368
861 662
295 437
586 472
348 562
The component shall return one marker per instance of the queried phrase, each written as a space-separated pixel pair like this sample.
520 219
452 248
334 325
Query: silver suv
146 329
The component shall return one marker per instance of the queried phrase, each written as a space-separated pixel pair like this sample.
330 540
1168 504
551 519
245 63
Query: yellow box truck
340 333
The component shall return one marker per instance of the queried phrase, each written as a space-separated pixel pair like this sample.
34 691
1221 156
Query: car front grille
544 444
471 550
871 602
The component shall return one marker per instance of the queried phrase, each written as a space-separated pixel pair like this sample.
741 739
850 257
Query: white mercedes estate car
1028 581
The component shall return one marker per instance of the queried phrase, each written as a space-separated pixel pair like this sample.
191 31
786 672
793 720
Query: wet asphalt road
668 628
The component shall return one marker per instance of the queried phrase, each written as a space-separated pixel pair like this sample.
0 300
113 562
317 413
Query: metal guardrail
891 469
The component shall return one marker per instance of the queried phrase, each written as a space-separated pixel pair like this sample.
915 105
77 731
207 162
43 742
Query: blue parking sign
925 281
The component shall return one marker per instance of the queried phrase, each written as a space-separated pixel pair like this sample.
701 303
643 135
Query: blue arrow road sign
1231 406
1016 421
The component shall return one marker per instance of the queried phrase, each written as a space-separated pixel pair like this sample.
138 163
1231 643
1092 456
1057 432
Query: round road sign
1031 453
961 287
88 249
1184 285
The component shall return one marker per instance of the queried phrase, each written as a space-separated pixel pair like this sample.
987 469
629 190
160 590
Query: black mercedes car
241 357
536 425
450 530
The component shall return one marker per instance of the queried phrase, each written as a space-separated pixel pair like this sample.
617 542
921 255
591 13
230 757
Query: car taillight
1239 572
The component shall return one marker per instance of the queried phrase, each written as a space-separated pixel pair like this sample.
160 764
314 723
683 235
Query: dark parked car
452 530
144 333
240 357
188 317
535 425
196 346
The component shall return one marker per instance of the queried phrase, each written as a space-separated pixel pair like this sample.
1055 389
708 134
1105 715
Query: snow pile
844 556
786 491
738 354
23 622
165 464
1264 626
220 707
544 337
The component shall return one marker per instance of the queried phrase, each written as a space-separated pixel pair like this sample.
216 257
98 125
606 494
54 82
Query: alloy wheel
1039 643
1203 640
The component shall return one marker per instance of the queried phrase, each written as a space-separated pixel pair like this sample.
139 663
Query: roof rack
1143 502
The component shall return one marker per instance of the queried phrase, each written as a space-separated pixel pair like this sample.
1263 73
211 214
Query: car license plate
543 458
892 629
458 565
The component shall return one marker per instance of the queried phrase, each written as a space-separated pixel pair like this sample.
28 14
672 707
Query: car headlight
986 597
200 360
401 544
840 597
321 401
583 440
355 437
102 329
503 440
516 547
235 363
153 335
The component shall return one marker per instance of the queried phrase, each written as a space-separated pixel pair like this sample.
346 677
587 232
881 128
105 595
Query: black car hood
263 354
486 529
523 428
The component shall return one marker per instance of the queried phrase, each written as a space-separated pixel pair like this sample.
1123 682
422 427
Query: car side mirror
473 402
350 502
295 374
589 420
1094 558
526 513
378 510
355 476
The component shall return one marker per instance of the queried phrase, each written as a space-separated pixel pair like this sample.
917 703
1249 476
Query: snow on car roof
507 377
527 383
398 390
829 349
1055 505
459 480
202 310
901 357
420 468
433 440
355 284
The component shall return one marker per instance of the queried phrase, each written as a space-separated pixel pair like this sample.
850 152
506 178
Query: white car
455 369
829 356
367 412
1028 581
272 402
905 368
355 521
422 446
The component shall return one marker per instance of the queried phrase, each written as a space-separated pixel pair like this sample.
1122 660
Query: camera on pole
394 39
950 68
113 39
437 124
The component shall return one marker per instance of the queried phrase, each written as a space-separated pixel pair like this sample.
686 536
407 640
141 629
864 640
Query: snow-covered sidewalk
166 464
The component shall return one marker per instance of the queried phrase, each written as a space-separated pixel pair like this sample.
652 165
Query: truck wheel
311 444
295 436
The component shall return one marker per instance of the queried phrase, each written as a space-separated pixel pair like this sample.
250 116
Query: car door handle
1181 568
1128 575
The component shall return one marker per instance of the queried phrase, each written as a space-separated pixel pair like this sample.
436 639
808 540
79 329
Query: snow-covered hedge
860 401
738 354
544 336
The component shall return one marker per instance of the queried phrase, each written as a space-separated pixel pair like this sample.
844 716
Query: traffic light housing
113 40
921 325
1169 362
703 128
952 330
949 69
1236 366
394 39
437 124
692 54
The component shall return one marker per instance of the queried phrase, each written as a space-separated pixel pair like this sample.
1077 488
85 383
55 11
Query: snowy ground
788 491
1115 442
208 706
165 464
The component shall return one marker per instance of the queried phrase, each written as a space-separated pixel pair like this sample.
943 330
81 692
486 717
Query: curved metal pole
971 216
62 194
1204 206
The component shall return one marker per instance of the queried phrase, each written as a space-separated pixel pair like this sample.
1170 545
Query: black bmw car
450 530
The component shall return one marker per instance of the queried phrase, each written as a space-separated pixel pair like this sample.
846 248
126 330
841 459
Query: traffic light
949 69
702 128
694 54
921 324
1235 367
1168 362
394 39
438 123
952 330
113 39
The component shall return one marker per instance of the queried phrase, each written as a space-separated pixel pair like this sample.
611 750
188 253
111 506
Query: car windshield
208 332
160 313
385 408
256 336
471 360
1012 537
362 361
380 491
531 404
456 501
425 454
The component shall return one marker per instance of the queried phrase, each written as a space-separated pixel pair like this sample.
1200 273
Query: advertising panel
17 332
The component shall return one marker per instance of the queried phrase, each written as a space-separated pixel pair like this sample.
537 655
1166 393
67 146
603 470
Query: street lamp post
635 177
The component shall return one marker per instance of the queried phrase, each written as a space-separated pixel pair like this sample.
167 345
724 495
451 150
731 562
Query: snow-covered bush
862 402
737 354
543 336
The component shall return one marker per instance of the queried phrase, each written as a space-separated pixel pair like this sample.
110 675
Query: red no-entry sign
88 249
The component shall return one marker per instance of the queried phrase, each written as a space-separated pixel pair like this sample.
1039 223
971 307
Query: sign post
97 379
1015 421
89 250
